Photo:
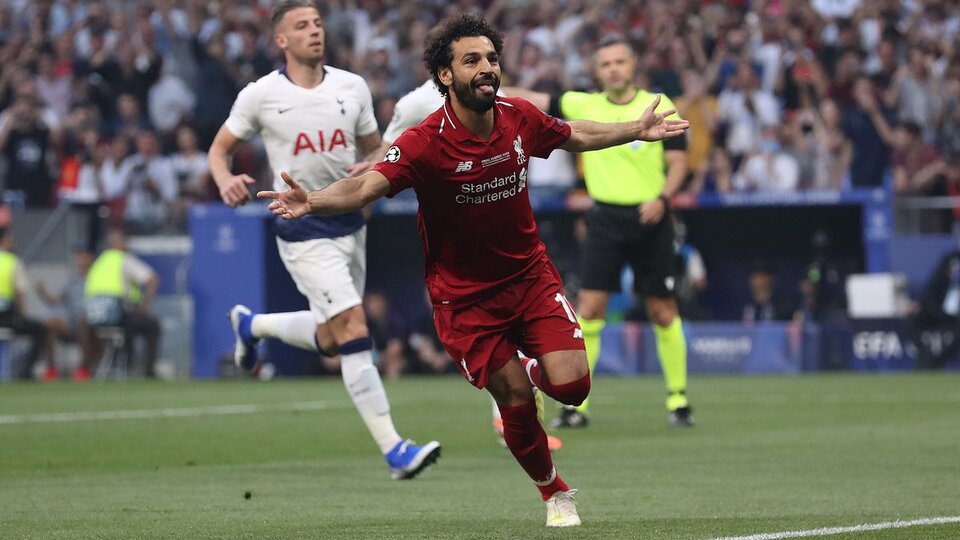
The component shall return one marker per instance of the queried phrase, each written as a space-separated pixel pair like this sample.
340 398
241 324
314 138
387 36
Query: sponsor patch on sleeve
392 155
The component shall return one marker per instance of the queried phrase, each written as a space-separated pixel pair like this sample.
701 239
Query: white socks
363 384
297 328
360 376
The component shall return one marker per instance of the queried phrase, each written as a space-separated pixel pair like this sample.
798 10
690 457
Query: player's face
300 35
615 66
474 74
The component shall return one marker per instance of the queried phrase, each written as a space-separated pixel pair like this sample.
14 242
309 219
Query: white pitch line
249 408
827 531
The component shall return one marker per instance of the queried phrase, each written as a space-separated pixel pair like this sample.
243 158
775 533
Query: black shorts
616 237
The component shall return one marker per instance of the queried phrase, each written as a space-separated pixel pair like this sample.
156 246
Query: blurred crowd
109 104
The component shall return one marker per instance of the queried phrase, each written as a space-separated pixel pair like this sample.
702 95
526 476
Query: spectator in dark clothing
945 182
822 287
253 62
219 89
886 67
867 126
129 120
938 320
26 143
763 305
134 72
91 74
913 161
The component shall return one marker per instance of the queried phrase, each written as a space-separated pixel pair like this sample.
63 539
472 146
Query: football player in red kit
493 287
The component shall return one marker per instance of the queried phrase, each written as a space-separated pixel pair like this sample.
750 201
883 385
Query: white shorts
330 272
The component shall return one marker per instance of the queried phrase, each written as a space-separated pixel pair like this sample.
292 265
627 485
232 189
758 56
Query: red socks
572 393
528 443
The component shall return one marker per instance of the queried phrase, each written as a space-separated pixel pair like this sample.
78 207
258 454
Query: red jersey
475 219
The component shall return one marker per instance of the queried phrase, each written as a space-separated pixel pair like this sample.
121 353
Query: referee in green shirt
630 223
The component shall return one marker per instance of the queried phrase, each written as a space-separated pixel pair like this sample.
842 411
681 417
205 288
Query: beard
469 94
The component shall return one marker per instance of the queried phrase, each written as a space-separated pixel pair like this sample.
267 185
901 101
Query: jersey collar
283 71
449 123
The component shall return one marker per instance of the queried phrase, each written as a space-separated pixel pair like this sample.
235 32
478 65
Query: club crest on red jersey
518 147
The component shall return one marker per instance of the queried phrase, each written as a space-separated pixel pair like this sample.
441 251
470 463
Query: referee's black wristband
665 199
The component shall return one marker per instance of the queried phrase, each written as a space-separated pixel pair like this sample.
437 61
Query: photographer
26 143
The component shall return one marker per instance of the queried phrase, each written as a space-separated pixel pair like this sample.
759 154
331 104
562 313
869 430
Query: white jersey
412 108
310 133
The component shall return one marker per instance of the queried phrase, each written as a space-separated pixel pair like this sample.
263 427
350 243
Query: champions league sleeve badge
392 155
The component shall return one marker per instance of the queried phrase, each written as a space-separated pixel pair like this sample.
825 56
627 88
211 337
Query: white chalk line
171 412
827 531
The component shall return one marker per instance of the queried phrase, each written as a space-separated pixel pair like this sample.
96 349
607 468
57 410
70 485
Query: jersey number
566 306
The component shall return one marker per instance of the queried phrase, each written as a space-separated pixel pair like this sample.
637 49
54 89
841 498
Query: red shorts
530 314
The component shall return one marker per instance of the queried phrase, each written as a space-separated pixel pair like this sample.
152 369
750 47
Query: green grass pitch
769 454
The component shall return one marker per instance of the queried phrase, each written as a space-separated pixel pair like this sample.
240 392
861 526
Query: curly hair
439 49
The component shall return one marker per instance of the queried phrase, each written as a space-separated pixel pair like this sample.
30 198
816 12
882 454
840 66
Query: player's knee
662 312
573 393
349 325
592 304
589 311
510 395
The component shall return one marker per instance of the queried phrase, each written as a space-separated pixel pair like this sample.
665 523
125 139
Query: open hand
290 204
654 126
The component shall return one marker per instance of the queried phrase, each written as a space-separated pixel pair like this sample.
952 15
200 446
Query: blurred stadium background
852 202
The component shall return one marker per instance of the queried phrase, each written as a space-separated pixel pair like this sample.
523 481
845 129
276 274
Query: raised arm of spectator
711 72
694 41
233 187
863 93
926 176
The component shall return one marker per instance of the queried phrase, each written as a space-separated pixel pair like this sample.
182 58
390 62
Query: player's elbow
575 143
371 188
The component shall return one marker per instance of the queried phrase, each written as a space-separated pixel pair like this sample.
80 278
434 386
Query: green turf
768 455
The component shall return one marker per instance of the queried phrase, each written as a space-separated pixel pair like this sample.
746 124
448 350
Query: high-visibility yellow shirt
8 270
628 174
105 277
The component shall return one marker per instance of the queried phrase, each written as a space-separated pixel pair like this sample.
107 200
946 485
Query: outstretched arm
652 126
345 195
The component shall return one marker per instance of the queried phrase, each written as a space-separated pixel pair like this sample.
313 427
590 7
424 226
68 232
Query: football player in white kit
409 111
314 119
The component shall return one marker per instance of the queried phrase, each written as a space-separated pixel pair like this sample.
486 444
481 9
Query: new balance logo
578 334
464 166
